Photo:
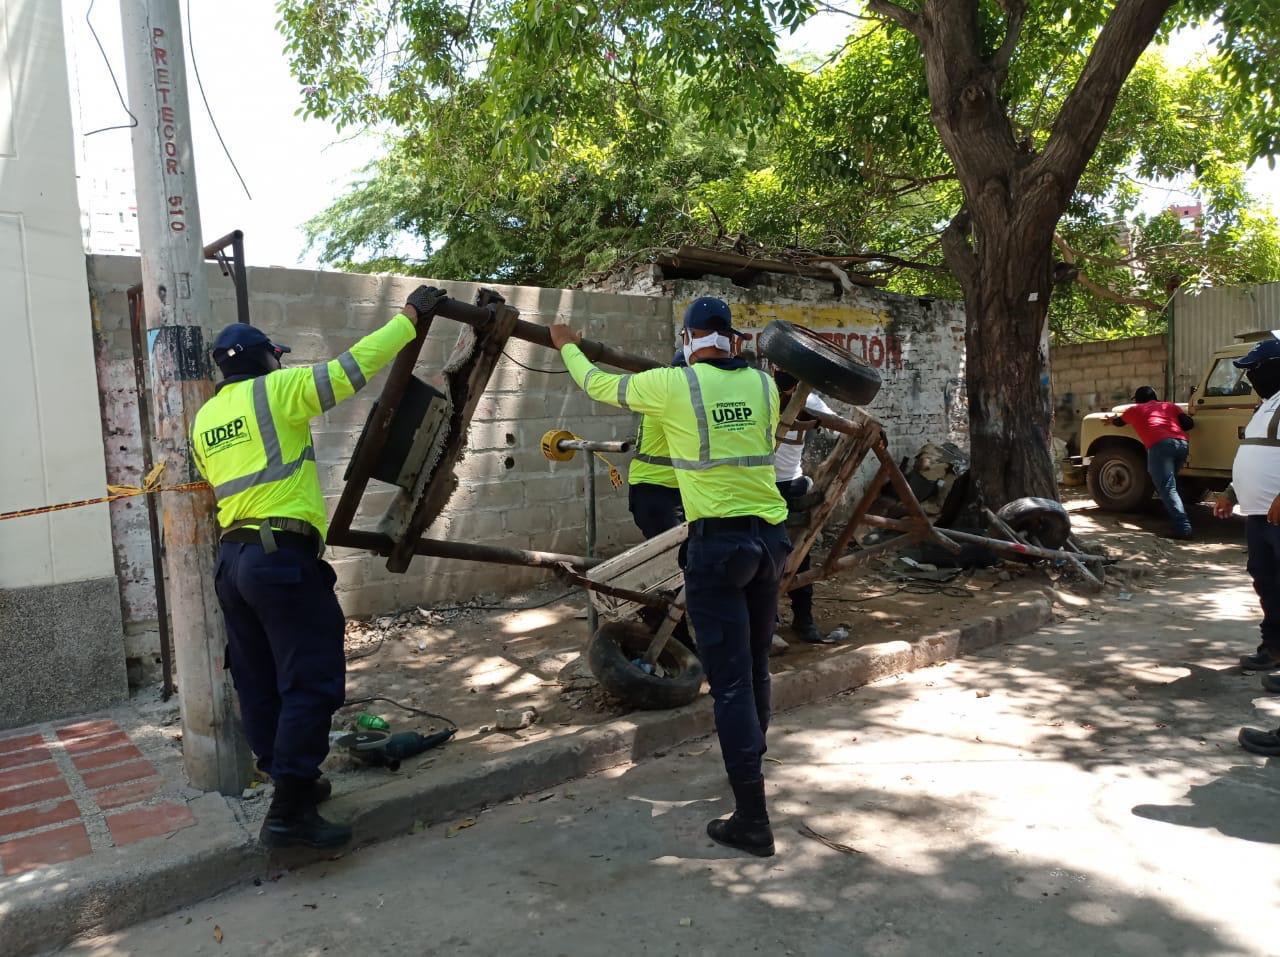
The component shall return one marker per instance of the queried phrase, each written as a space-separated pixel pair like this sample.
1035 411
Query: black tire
1040 518
1118 480
828 368
618 643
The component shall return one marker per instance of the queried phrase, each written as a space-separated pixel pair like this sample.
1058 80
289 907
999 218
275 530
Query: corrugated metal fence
1207 320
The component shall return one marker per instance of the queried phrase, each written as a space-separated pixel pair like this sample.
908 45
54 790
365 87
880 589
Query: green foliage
538 141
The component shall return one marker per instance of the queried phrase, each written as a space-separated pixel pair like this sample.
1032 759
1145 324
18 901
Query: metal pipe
586 445
463 551
153 512
598 352
1016 548
241 278
590 470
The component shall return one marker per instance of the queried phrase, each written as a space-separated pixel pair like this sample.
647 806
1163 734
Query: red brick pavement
55 780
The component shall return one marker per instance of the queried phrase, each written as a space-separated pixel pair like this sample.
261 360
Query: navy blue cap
1261 352
240 337
710 314
677 361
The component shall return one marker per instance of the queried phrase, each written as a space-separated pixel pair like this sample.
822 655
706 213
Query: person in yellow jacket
252 442
719 416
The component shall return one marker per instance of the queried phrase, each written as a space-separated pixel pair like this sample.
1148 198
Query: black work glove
425 299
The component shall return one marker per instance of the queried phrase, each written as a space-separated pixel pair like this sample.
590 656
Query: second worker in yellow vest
719 416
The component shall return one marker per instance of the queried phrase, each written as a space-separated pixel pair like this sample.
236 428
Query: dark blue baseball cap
240 337
711 315
1263 351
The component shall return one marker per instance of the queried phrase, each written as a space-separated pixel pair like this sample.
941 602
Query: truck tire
1040 518
610 657
1118 479
828 368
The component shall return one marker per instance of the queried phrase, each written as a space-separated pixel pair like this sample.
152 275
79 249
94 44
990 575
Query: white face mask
710 341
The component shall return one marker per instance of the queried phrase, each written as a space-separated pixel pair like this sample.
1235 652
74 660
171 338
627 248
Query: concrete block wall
1095 376
508 493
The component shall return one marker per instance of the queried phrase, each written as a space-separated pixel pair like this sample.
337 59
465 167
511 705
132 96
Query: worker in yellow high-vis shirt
719 416
252 442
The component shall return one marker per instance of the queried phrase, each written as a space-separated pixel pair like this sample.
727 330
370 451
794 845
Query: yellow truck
1221 406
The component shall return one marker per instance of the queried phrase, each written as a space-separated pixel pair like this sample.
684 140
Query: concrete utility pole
176 299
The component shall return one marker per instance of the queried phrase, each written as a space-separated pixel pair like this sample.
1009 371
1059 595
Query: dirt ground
526 651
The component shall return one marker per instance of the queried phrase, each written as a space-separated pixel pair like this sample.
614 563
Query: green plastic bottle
371 722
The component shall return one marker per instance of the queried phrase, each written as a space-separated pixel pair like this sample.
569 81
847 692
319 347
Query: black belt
740 523
270 533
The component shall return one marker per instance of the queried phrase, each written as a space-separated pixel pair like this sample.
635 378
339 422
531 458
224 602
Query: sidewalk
99 829
69 790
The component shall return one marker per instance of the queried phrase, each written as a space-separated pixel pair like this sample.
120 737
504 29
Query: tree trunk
1007 371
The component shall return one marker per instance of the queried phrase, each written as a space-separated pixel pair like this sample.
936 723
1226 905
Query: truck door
1221 407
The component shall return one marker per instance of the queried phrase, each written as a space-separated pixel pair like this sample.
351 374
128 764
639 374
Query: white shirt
1255 475
786 458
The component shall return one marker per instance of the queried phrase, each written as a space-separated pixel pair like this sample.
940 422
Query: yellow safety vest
719 426
651 464
252 440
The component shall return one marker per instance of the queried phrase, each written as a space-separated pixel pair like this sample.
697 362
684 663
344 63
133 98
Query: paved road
1079 793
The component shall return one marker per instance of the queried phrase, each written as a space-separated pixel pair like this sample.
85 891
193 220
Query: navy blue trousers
1264 568
285 650
801 598
655 508
731 577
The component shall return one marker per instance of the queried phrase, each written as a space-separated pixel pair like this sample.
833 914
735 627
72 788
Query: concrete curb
53 908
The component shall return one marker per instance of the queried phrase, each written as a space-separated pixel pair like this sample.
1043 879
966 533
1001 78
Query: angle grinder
382 749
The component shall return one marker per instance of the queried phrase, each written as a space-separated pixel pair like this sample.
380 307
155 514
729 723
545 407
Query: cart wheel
830 369
618 644
1042 518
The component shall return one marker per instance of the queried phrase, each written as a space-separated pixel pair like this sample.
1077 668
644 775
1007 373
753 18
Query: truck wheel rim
1116 479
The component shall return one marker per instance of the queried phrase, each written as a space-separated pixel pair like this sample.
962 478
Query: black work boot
807 630
1271 682
1260 742
318 791
1260 661
747 828
292 819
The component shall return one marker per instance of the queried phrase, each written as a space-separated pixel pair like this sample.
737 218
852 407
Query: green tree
977 138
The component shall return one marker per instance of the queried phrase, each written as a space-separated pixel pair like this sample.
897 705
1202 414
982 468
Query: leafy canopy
536 141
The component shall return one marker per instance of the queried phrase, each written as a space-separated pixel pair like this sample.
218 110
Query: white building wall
51 447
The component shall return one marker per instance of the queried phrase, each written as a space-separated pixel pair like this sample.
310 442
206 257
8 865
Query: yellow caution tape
150 486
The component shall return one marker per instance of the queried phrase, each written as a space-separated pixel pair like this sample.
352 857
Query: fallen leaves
217 933
460 826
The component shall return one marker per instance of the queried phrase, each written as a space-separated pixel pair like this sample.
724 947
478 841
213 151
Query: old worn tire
609 657
1118 480
829 369
1040 518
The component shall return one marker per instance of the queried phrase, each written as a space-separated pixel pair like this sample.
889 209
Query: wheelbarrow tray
652 566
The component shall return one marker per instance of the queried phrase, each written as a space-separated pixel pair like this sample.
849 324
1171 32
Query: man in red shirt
1162 427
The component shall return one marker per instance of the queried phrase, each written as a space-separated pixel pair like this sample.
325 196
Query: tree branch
907 19
958 252
1016 11
1084 116
1099 290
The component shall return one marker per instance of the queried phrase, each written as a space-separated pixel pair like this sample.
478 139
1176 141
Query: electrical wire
114 81
200 83
532 369
353 702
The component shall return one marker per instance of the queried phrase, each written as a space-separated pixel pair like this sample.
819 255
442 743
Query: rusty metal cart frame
492 323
